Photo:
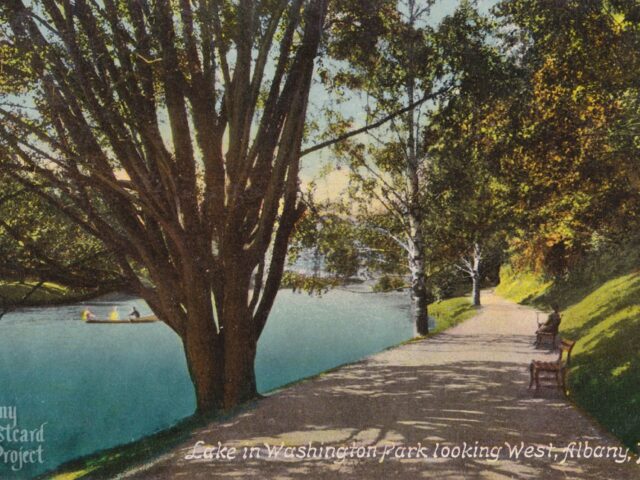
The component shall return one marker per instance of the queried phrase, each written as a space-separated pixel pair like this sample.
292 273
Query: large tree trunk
205 365
240 376
203 343
221 362
240 341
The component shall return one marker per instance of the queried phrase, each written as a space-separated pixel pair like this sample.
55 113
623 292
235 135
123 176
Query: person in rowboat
114 315
135 314
87 315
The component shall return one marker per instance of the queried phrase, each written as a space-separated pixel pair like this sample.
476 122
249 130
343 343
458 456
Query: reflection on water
97 386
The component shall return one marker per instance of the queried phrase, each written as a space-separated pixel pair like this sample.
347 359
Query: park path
468 384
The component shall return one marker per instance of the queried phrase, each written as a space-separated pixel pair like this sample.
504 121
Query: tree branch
382 121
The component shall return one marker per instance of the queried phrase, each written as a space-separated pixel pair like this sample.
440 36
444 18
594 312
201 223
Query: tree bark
475 292
415 217
206 370
202 341
475 273
419 301
240 340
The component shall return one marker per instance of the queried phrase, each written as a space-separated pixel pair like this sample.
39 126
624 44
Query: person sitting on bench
553 321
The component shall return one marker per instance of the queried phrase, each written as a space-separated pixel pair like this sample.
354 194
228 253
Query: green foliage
521 286
355 28
311 284
333 239
463 202
387 283
380 48
396 197
344 244
606 372
570 149
39 241
604 261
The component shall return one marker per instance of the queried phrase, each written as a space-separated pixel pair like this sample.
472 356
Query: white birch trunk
475 274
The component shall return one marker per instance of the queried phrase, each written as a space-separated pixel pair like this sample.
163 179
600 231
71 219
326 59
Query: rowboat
147 319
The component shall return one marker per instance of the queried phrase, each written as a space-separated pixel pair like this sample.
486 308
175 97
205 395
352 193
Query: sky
330 185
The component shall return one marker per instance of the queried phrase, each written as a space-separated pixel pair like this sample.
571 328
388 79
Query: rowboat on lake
146 319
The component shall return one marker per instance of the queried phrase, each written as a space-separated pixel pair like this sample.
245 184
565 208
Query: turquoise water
96 386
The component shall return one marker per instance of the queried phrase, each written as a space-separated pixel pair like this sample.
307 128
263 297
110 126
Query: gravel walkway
453 406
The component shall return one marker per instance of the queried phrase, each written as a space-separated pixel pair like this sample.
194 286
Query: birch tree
417 65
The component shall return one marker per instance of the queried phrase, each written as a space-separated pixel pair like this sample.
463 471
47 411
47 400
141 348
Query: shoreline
295 408
121 457
66 300
358 286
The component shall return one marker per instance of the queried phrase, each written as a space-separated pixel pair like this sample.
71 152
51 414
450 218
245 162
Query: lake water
96 386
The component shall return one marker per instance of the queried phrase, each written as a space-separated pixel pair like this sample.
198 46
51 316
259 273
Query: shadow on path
463 392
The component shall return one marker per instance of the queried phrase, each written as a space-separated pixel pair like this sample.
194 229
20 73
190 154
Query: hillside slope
601 310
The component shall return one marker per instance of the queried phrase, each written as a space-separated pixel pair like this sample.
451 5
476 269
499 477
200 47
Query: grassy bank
451 312
108 463
14 293
601 310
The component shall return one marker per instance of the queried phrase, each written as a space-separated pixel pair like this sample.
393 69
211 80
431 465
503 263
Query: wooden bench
557 368
549 338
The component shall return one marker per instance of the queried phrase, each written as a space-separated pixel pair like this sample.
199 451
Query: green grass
451 312
106 464
605 378
601 310
521 287
12 292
